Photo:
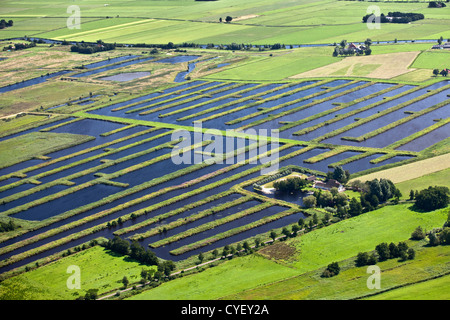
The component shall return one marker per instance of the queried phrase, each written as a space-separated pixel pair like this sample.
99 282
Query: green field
36 144
440 178
259 22
436 289
99 269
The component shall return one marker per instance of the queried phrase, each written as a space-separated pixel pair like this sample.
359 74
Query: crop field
163 140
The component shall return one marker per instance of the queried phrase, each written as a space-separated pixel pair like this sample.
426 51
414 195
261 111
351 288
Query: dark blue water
28 83
111 67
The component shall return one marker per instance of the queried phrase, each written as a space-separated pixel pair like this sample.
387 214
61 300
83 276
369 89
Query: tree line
90 48
4 24
394 17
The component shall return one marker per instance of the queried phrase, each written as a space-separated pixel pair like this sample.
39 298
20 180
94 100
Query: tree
341 175
372 260
301 223
228 19
341 199
315 220
285 232
355 207
295 228
201 257
436 72
273 235
332 270
444 72
325 199
444 236
411 195
125 281
411 253
362 259
418 234
433 239
432 198
393 250
383 251
91 294
309 201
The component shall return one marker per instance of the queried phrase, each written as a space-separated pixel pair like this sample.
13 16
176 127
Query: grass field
351 281
439 178
49 282
435 289
36 144
228 278
410 171
380 66
273 21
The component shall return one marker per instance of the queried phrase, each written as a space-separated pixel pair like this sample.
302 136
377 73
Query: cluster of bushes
395 17
19 46
383 252
85 246
290 185
436 236
8 226
328 199
257 185
436 4
430 199
342 50
339 174
443 72
86 48
133 250
331 270
4 24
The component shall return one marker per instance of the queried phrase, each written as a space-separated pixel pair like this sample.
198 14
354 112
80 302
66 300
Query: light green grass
436 59
228 278
99 269
351 283
279 66
436 289
36 144
348 237
439 178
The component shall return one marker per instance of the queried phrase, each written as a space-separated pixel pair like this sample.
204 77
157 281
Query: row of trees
443 72
4 24
383 252
325 198
133 250
432 198
394 17
290 185
86 48
19 46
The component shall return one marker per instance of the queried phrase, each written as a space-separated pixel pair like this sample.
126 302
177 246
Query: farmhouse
441 46
328 185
